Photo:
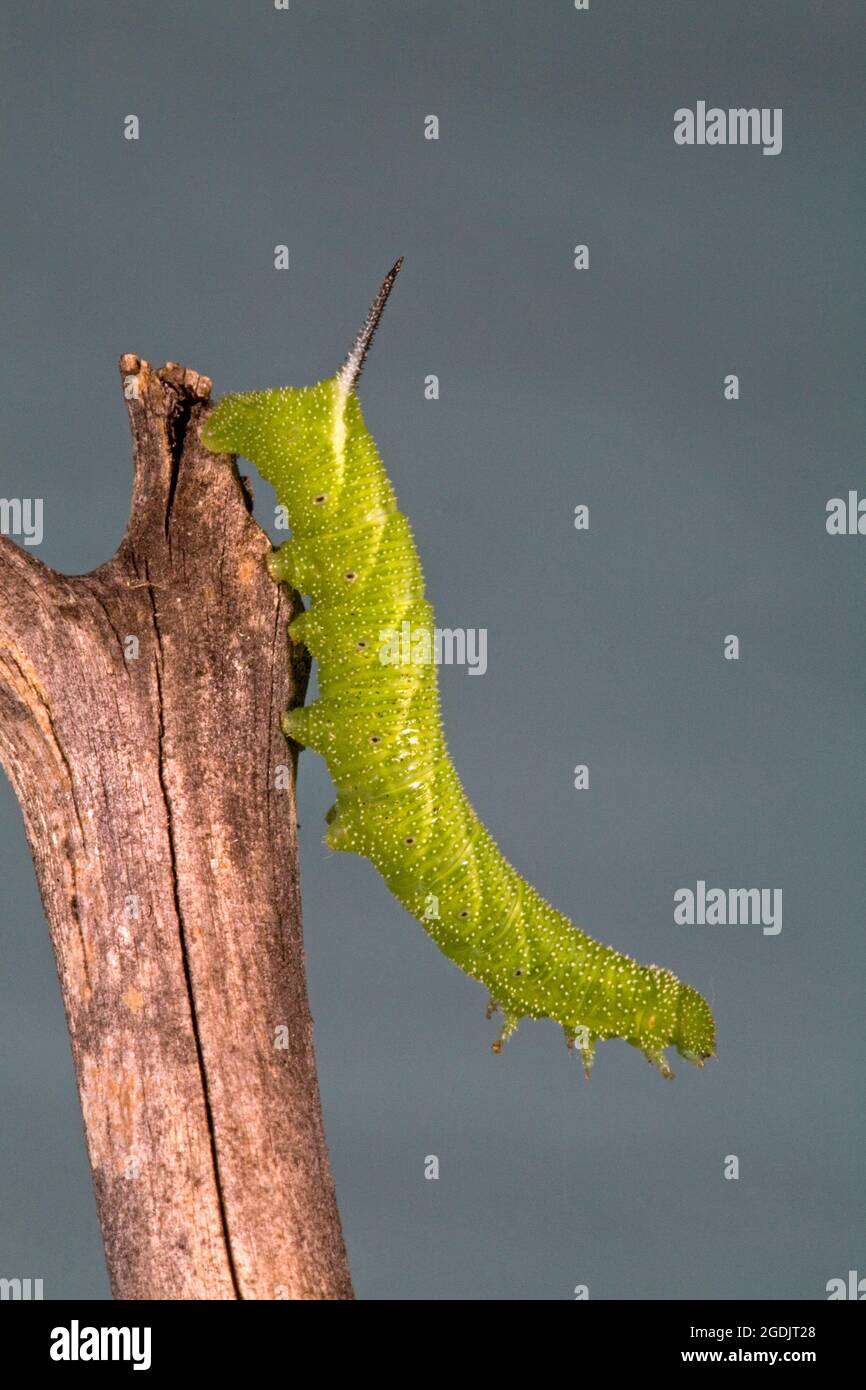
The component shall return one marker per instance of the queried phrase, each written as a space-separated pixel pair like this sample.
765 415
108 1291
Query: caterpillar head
695 1036
252 423
297 428
232 424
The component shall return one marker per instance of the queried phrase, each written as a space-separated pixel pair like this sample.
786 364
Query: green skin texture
377 724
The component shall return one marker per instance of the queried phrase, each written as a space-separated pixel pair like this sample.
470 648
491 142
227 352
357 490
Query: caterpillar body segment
399 801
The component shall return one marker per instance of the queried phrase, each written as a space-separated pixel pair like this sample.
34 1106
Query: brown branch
139 713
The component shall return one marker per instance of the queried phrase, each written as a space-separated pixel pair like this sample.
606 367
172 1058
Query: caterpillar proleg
399 801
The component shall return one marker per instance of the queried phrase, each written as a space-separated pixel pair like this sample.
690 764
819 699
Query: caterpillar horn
351 370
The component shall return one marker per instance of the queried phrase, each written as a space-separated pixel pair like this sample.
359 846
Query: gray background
557 387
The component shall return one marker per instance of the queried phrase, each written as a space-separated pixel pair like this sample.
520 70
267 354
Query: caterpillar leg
298 625
696 1058
586 1042
294 724
308 725
509 1025
280 565
658 1059
335 835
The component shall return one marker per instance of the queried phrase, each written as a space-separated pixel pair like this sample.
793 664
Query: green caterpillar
377 723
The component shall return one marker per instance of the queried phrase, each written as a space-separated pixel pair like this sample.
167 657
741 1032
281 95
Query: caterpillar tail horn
350 372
